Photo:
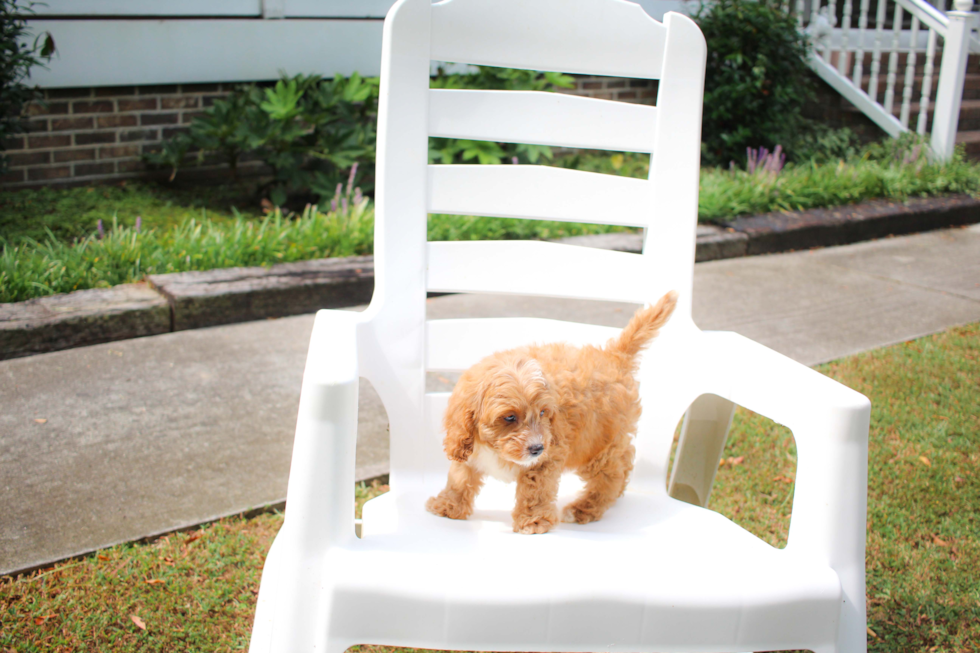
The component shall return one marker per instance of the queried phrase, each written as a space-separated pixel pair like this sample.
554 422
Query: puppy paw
445 507
573 514
535 524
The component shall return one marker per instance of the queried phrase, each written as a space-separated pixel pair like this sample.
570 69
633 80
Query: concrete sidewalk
116 442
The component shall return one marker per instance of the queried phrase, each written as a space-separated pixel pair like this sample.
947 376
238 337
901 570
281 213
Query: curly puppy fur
528 414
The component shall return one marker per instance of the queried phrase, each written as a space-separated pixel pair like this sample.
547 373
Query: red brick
189 116
12 143
115 120
71 124
12 177
626 95
589 86
115 91
36 125
58 140
139 135
95 137
43 174
158 119
51 108
118 151
29 159
170 132
152 149
639 83
89 169
180 102
619 83
68 93
132 166
63 156
98 106
143 104
209 99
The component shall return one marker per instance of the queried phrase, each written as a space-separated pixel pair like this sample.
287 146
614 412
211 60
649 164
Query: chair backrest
601 37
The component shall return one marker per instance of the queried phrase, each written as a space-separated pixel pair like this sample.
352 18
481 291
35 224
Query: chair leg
701 444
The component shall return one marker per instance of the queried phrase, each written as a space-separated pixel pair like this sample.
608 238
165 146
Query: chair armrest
320 494
830 424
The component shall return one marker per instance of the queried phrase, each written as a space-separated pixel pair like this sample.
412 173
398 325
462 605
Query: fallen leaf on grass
925 461
192 538
102 557
40 420
139 622
872 633
736 461
939 542
40 620
784 479
155 581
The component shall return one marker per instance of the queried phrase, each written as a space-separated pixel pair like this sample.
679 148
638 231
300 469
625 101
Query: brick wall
95 134
86 135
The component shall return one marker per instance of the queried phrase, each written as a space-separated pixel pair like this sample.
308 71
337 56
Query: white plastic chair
656 573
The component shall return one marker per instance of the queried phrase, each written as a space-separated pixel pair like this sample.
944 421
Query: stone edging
190 300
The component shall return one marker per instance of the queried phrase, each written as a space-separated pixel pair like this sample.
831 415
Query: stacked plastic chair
659 572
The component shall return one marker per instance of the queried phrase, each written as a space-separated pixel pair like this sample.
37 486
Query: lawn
196 590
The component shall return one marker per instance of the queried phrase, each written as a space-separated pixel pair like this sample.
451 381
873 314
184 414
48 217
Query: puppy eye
511 418
542 413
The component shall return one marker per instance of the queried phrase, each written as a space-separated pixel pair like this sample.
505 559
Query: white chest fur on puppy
488 462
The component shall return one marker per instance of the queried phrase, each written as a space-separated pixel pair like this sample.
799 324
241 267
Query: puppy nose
535 449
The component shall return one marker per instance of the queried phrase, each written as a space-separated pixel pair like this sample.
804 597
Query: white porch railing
863 57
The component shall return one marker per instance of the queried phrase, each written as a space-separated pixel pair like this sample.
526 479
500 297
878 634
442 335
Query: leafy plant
17 57
756 79
308 130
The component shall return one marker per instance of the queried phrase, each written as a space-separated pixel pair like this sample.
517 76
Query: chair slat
539 192
455 345
538 269
542 118
622 39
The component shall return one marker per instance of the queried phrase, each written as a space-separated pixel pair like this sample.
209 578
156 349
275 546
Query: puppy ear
460 422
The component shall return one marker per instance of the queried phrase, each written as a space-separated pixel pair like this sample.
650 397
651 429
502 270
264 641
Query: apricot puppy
530 413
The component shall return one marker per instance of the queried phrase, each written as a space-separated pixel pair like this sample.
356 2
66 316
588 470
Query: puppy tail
644 326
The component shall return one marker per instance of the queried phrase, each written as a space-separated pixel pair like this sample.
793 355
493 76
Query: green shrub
16 60
307 129
756 80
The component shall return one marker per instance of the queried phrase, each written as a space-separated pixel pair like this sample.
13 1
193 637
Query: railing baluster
910 73
859 53
832 17
800 8
876 56
927 83
845 38
893 60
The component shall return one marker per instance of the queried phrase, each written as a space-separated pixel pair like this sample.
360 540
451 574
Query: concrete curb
191 300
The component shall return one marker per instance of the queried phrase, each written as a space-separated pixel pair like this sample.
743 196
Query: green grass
72 213
196 591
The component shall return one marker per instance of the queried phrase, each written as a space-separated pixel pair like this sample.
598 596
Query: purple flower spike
513 160
100 229
343 203
139 223
350 180
358 196
333 205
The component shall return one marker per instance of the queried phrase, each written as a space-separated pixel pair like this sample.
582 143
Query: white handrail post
949 95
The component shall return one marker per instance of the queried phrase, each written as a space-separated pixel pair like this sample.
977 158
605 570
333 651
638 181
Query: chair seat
673 577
